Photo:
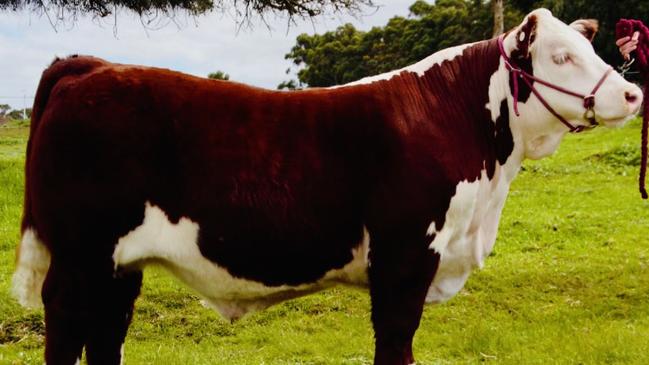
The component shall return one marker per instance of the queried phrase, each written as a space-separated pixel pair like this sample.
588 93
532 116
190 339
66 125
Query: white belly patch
175 247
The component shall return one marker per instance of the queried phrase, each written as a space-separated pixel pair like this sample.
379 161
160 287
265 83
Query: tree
499 24
4 109
15 114
18 114
218 75
289 85
347 54
332 58
242 8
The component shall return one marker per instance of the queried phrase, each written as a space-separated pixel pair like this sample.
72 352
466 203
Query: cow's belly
174 246
468 234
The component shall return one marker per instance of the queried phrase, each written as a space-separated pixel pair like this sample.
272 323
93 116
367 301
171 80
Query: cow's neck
469 80
460 96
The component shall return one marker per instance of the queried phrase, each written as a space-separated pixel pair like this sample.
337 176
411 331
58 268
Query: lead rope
626 27
643 158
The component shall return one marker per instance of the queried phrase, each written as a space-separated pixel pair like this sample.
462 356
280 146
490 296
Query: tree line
348 54
7 114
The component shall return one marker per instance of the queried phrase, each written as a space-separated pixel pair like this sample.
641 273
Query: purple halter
589 100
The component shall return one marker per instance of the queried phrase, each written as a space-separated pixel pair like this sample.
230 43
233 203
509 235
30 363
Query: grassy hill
568 283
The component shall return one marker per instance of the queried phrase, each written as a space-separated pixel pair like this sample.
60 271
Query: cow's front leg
401 270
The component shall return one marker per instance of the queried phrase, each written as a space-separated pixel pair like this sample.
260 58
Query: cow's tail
32 255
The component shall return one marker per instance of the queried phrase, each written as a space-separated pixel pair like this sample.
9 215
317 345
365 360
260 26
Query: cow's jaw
537 133
543 145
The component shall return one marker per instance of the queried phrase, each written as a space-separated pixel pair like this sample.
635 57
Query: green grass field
568 283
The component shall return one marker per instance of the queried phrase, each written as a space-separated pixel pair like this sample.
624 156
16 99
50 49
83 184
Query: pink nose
631 97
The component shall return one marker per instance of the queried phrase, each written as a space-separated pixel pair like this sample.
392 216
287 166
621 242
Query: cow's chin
615 122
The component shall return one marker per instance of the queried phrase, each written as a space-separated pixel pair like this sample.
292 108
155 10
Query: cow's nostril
630 97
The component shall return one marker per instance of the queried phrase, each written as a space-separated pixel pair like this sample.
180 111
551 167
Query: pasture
568 282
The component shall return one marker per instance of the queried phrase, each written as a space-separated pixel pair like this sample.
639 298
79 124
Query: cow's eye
561 58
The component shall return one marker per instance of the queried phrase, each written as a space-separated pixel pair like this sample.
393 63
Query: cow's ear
587 27
525 37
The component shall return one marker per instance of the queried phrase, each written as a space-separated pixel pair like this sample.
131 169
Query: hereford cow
251 197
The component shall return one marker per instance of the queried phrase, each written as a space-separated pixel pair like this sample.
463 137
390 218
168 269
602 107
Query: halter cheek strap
588 100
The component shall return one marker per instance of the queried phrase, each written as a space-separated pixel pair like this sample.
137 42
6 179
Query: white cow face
564 56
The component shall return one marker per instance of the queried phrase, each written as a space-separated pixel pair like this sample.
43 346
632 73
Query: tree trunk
499 26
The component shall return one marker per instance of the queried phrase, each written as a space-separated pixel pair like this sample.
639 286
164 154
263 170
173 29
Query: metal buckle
581 128
589 115
626 66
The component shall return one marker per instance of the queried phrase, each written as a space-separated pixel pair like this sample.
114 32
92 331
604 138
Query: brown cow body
253 196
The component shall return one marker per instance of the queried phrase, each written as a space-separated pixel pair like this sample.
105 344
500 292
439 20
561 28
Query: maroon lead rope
624 28
589 100
643 158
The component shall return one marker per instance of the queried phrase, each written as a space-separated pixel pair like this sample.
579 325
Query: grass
568 283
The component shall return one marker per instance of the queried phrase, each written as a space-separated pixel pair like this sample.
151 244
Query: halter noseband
589 100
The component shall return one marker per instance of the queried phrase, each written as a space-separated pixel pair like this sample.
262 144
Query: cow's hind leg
401 272
87 305
64 318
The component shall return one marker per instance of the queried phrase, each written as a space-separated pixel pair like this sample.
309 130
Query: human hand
627 45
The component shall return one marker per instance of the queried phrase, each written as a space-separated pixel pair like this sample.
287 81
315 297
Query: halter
589 100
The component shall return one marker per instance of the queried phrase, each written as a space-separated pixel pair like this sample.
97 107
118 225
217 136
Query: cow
249 196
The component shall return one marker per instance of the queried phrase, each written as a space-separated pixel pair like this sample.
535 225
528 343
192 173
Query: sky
194 45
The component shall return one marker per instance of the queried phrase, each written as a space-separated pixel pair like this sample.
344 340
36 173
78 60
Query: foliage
289 85
4 109
218 75
18 113
568 283
7 114
348 54
242 8
607 12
